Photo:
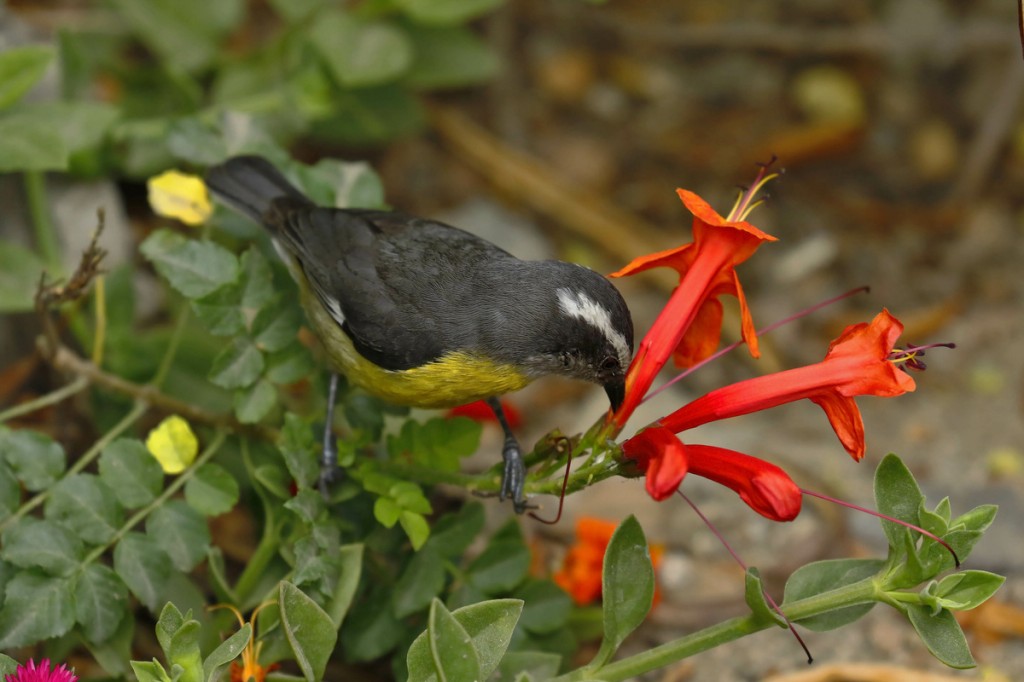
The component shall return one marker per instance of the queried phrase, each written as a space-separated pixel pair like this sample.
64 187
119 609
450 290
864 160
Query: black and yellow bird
424 314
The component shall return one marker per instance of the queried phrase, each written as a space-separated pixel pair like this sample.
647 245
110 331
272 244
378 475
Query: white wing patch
577 304
334 308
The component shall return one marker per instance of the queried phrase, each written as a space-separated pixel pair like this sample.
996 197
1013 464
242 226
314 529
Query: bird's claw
513 478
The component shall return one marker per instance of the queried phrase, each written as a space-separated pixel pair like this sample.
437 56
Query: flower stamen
910 357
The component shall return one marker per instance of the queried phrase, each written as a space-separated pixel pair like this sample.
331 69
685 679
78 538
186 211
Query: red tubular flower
857 363
690 324
765 488
662 457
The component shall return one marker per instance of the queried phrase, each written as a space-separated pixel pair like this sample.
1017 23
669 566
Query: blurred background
561 129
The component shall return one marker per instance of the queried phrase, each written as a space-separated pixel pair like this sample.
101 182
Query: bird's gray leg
513 479
329 470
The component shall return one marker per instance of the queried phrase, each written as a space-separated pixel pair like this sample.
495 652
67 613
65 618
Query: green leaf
898 495
34 458
451 648
450 57
350 567
294 11
181 532
500 567
7 666
627 586
344 184
212 490
299 450
254 403
101 602
150 671
547 607
830 574
131 472
309 630
10 491
977 519
371 630
27 145
758 602
453 533
238 365
20 268
35 543
942 635
371 116
85 504
227 651
277 326
967 589
536 665
183 33
420 582
360 52
489 625
82 125
20 69
289 365
257 281
386 511
171 620
143 567
37 607
220 311
193 267
446 11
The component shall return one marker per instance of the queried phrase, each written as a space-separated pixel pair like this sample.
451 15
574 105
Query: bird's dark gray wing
404 289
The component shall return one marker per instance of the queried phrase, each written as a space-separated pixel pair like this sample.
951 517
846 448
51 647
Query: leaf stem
138 409
170 490
51 398
42 224
726 631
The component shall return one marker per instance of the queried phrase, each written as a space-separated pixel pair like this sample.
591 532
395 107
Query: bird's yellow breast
454 379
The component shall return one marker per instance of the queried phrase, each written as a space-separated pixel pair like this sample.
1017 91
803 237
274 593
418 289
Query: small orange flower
580 574
249 669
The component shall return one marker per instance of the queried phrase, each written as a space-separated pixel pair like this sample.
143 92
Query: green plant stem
727 631
172 349
51 398
168 492
39 211
138 409
268 546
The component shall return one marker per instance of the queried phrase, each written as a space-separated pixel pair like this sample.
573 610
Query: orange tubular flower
860 362
690 324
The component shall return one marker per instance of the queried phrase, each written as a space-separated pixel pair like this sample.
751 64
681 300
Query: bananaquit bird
424 314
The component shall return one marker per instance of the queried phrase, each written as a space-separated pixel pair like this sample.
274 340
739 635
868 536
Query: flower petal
766 488
662 456
844 416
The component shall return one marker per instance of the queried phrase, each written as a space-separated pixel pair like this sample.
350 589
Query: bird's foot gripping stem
513 476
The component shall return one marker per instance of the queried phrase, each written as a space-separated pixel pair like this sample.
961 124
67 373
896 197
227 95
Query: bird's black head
596 332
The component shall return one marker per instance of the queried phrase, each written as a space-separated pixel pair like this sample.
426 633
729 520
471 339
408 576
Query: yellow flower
179 195
173 444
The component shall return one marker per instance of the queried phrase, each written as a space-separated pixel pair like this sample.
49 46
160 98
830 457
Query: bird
420 313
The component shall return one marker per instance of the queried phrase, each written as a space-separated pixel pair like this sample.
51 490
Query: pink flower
30 673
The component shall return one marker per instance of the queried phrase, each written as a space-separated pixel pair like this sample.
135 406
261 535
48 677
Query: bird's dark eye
610 363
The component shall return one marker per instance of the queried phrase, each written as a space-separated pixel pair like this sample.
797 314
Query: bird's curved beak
616 390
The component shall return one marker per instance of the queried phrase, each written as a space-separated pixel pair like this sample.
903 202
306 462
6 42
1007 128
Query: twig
42 401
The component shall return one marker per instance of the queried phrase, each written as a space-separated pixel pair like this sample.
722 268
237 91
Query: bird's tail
251 185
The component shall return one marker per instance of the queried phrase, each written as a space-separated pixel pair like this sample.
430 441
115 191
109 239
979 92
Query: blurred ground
900 128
